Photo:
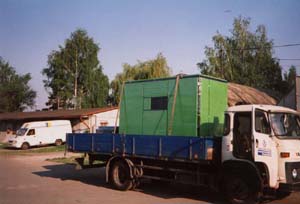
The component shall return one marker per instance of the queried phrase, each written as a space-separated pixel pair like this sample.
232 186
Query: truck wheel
58 142
120 176
25 146
239 191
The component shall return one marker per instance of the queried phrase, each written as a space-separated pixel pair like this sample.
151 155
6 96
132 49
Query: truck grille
289 167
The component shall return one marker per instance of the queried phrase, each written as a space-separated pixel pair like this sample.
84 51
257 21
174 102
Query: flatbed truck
258 154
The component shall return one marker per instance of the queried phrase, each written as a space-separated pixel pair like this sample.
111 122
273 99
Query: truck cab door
264 147
242 135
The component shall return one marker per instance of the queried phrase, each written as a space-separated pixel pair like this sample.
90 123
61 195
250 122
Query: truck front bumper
292 180
12 143
289 187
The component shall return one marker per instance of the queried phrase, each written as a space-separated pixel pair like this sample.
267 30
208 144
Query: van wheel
58 142
25 146
120 176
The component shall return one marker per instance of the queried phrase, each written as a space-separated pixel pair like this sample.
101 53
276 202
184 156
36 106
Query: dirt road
32 180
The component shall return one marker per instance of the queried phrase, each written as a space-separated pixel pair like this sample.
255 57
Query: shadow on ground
96 177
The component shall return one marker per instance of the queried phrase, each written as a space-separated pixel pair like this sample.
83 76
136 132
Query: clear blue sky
128 30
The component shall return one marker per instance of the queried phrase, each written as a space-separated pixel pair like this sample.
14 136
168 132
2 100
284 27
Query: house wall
107 118
92 122
297 94
78 126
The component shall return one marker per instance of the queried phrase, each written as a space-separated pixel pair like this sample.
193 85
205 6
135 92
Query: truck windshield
21 132
285 124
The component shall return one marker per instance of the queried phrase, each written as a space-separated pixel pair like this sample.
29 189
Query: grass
71 160
46 149
3 145
63 160
5 149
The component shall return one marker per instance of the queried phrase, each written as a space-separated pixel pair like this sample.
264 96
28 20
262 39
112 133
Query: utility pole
221 63
75 82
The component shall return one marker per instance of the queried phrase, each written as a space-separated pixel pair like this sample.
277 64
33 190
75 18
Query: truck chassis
186 160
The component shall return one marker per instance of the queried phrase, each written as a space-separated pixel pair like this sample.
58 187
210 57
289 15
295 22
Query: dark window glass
261 123
242 146
31 132
159 103
226 125
242 123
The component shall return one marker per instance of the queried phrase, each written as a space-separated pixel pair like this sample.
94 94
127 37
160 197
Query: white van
41 133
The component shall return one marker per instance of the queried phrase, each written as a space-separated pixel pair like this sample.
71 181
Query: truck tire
25 146
282 194
120 176
58 142
239 190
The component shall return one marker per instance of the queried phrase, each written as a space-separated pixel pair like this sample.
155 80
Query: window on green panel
159 103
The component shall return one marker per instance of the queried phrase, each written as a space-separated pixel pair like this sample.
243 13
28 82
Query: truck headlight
294 173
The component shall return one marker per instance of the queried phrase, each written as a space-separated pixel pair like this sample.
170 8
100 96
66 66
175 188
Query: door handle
256 143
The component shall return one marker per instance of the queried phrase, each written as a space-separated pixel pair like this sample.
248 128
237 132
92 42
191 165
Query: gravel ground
32 180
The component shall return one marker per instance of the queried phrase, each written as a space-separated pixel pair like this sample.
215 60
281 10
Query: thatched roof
240 94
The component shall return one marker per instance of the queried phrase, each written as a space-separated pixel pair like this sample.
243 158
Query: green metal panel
131 106
199 109
213 103
154 122
185 117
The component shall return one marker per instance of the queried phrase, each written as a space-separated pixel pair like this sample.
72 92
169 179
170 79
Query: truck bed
180 148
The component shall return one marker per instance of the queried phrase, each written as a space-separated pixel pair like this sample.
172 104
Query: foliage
15 93
245 57
289 78
74 75
150 69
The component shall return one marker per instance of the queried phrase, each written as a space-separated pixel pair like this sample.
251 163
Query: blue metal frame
162 147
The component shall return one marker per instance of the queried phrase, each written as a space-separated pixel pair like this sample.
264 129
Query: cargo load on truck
186 105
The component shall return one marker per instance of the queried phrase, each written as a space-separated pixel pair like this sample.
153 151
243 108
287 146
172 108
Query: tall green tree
289 79
150 69
75 77
244 57
15 92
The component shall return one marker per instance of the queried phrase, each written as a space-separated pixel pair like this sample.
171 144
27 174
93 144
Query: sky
131 30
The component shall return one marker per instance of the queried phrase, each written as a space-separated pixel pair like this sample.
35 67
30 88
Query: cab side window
226 130
31 132
261 122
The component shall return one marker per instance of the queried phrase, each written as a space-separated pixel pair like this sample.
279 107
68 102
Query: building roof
240 94
237 95
56 114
